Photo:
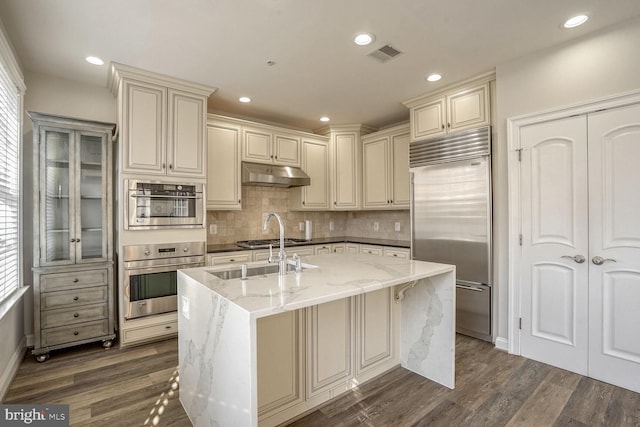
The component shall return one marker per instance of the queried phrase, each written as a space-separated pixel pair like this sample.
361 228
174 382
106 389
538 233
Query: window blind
9 186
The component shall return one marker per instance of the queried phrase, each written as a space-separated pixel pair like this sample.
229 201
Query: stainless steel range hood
273 175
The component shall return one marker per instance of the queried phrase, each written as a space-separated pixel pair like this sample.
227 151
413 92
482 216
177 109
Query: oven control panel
163 250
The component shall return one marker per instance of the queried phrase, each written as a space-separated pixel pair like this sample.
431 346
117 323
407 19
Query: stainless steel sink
235 272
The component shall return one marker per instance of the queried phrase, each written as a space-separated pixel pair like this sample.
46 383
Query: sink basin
235 272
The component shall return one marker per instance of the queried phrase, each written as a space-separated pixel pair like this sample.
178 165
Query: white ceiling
318 70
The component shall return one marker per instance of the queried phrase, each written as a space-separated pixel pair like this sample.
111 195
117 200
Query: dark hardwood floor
139 387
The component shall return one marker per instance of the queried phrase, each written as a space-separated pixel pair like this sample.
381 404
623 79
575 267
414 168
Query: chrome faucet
282 256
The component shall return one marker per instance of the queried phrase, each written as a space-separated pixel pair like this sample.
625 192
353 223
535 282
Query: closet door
554 270
614 254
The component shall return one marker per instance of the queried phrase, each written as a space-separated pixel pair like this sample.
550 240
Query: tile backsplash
257 202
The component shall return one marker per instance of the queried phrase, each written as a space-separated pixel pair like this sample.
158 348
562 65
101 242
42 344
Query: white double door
580 263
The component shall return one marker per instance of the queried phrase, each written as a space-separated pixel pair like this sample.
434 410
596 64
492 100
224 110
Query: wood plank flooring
139 387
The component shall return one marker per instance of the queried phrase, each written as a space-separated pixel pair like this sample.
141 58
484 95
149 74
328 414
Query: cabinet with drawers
73 231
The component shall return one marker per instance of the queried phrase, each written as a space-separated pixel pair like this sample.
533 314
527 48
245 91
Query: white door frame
513 167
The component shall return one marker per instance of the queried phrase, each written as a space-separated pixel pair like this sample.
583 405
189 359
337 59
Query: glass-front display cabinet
73 232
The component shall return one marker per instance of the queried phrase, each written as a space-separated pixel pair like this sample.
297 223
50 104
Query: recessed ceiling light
363 39
324 119
434 77
94 60
575 21
244 99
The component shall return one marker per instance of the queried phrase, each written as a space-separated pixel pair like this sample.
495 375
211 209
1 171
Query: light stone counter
217 324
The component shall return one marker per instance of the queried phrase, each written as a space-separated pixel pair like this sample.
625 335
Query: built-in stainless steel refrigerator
451 218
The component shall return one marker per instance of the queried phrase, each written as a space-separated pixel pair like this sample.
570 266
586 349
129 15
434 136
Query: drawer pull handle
76 333
232 260
167 327
76 315
76 298
75 280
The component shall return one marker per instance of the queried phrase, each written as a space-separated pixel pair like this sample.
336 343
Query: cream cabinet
385 178
352 248
265 145
235 257
280 362
334 248
455 108
161 122
223 188
371 250
403 253
330 329
315 162
73 288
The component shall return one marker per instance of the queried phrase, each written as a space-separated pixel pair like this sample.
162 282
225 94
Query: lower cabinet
309 356
229 258
335 248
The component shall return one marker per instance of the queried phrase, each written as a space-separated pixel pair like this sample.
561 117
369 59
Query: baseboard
502 344
11 368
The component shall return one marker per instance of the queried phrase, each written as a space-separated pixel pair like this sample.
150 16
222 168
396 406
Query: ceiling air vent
385 53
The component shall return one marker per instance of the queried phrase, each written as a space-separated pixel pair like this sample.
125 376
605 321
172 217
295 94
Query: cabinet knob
170 166
76 315
443 126
303 203
76 298
163 166
272 156
448 125
232 260
76 333
167 327
239 200
75 281
335 203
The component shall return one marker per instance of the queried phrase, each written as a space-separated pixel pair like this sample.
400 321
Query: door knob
578 258
598 260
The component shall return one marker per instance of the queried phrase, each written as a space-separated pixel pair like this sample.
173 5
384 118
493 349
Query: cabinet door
256 145
186 127
375 166
469 108
287 150
143 119
223 167
56 216
400 185
374 329
371 250
315 162
346 157
352 248
329 345
91 197
323 249
279 360
428 120
338 248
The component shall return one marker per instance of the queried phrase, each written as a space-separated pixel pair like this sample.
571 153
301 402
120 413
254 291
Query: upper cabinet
162 123
265 145
223 165
315 162
452 109
385 171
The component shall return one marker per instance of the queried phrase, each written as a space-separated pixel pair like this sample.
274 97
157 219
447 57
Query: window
9 185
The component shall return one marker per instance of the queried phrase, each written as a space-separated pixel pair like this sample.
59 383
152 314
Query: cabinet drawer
229 258
70 316
72 298
372 250
83 331
149 332
78 279
397 252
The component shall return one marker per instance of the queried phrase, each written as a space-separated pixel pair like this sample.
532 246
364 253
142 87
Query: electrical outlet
331 226
397 225
213 228
301 226
376 226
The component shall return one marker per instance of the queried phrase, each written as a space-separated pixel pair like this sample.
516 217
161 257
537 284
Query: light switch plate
331 226
213 228
397 225
301 226
376 226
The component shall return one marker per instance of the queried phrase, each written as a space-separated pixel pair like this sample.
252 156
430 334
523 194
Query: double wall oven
150 275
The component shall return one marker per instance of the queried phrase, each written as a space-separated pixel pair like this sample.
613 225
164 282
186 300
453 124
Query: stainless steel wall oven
150 275
160 205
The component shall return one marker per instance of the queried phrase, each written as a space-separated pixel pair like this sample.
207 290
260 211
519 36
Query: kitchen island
222 350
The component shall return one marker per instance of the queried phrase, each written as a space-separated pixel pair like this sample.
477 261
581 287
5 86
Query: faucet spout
282 256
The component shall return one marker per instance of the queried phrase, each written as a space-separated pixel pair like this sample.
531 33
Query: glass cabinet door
92 203
56 220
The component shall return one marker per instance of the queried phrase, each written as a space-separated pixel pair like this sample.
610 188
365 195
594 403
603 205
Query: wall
257 202
591 67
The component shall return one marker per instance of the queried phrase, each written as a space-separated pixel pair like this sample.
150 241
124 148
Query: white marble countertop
333 277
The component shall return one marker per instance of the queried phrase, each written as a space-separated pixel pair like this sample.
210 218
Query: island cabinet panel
330 328
280 362
375 332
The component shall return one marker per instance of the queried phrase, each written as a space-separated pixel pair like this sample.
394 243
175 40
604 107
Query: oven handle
161 269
